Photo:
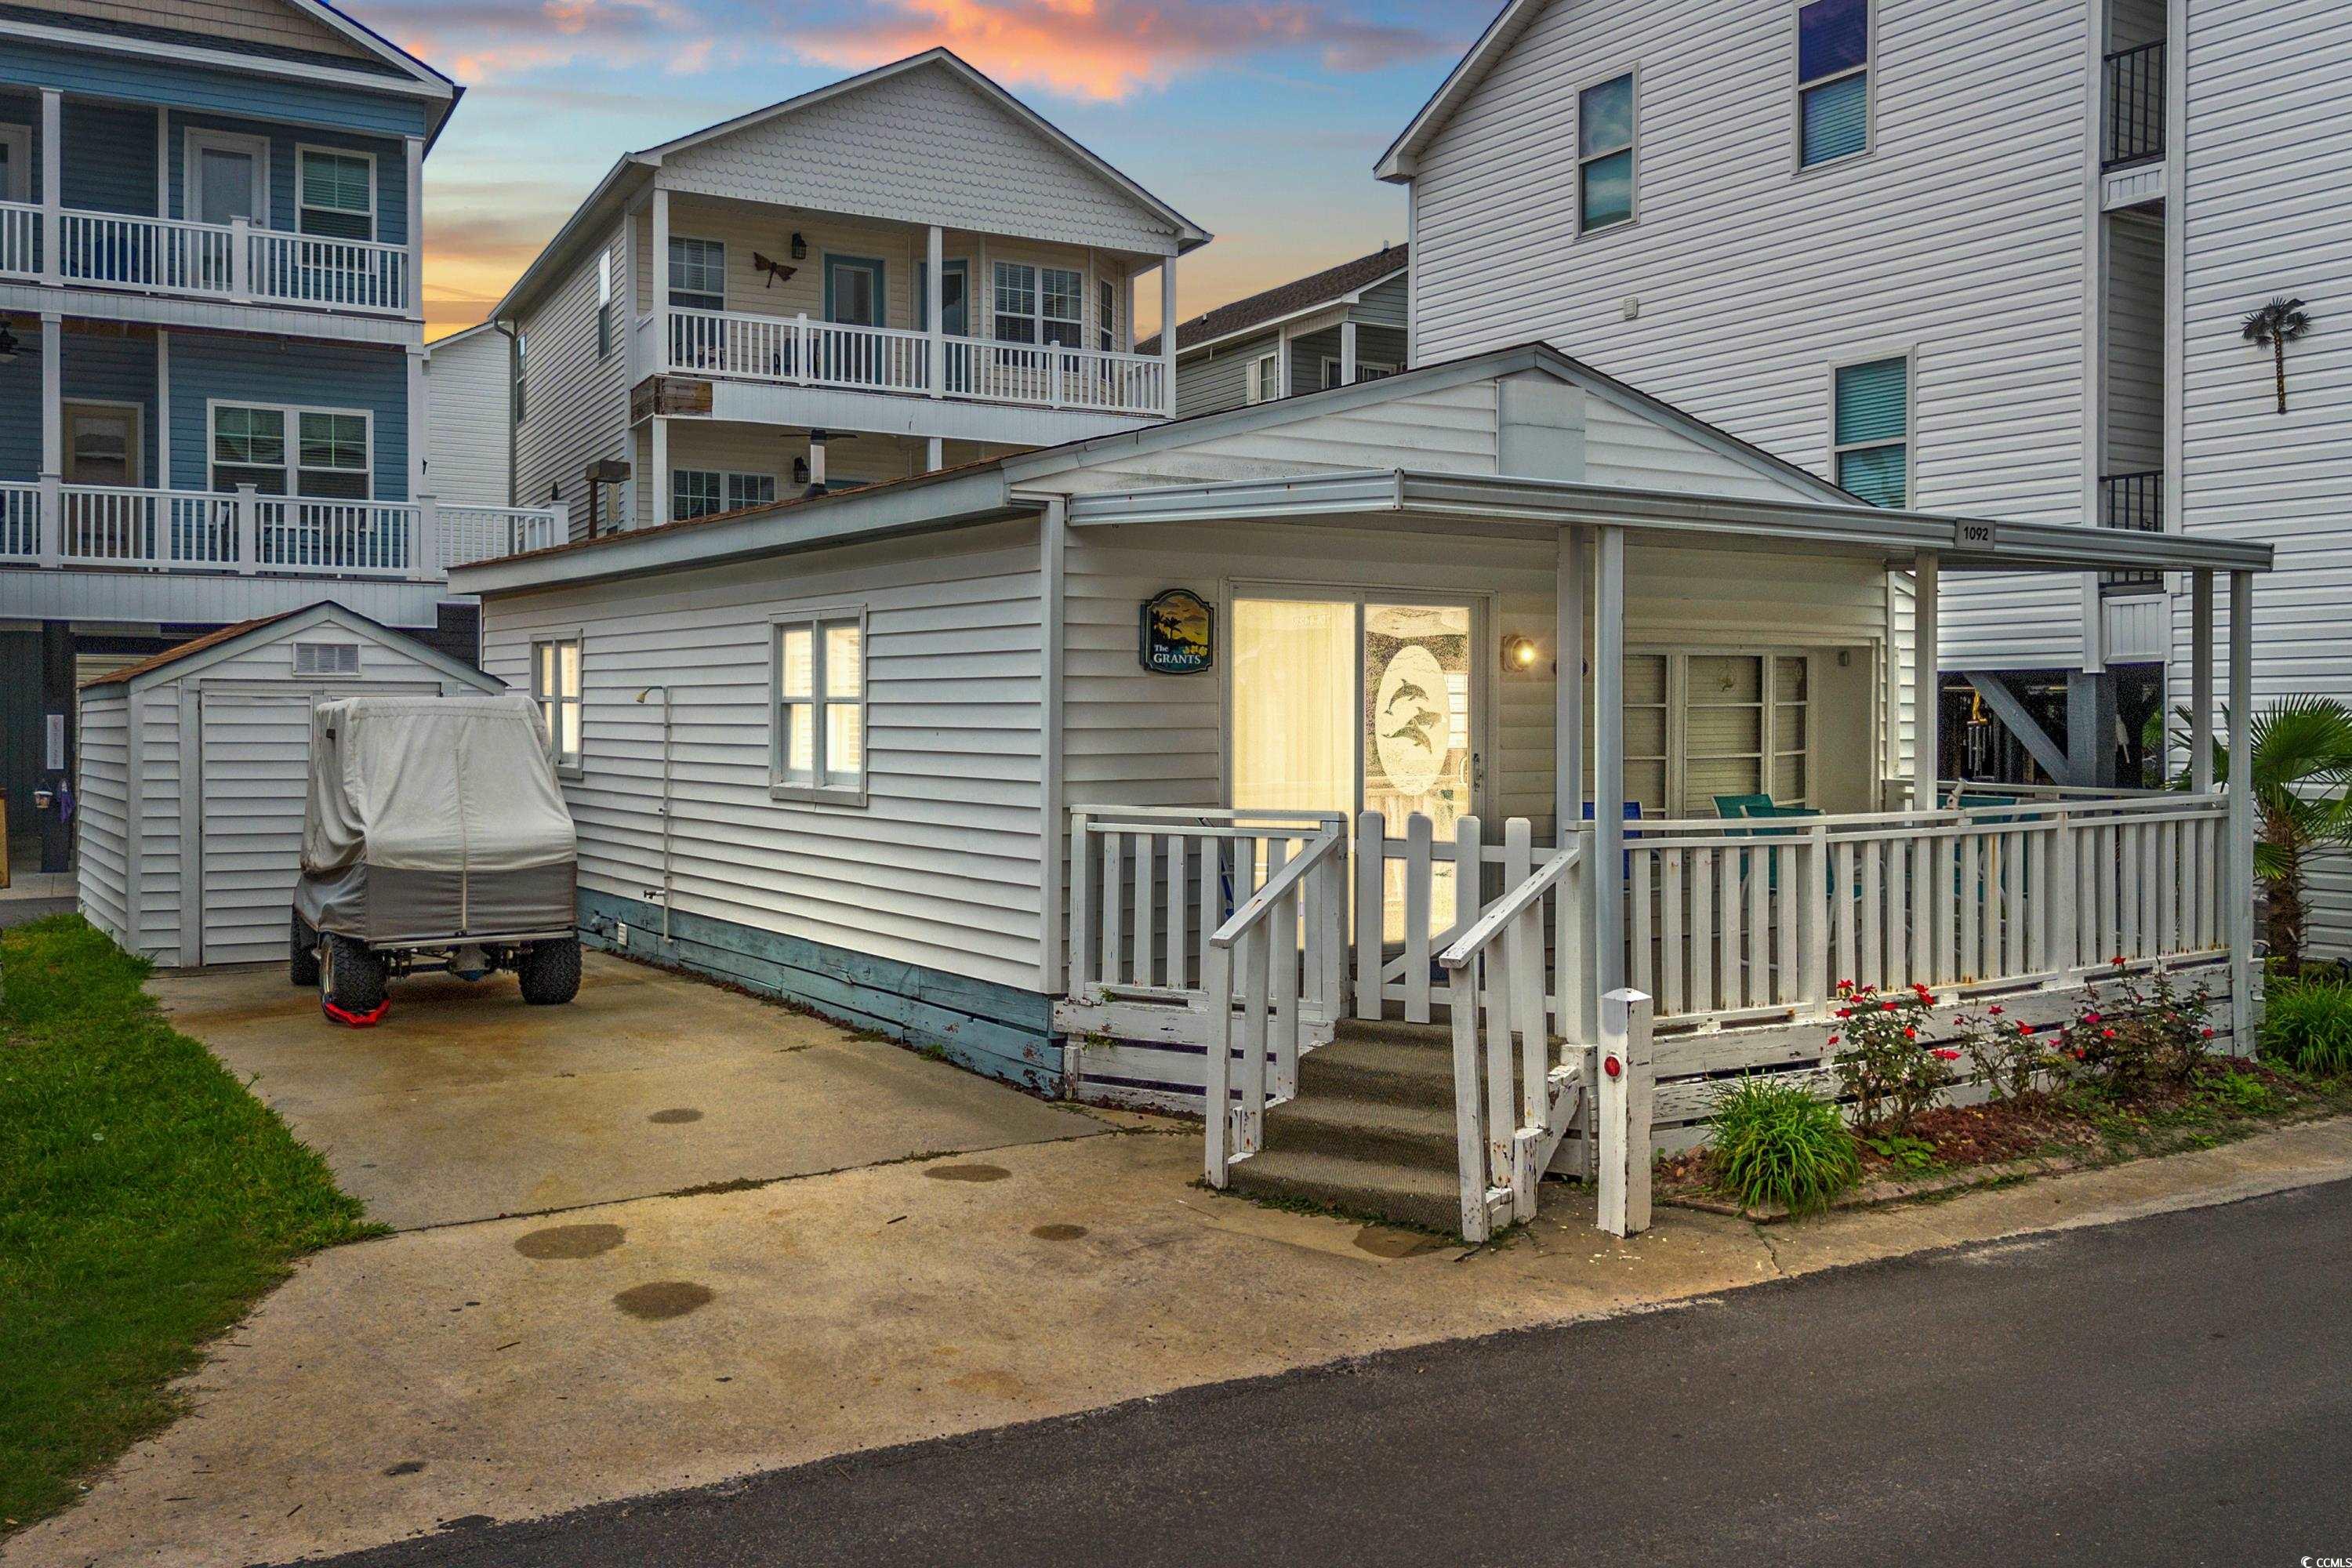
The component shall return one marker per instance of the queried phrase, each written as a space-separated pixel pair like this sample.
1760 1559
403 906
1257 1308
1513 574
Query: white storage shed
193 767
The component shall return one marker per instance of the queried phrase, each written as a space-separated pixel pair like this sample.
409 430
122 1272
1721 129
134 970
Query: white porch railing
221 261
245 532
1148 888
1513 1098
1284 943
1729 921
800 352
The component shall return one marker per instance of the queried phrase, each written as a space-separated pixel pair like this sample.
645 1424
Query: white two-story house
904 271
1990 259
211 381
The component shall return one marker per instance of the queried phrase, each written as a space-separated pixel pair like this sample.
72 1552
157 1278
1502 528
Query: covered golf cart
434 837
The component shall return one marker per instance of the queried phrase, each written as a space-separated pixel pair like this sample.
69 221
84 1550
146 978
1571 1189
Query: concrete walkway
514 1369
466 1104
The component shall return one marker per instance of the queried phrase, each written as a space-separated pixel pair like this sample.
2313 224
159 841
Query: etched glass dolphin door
1353 704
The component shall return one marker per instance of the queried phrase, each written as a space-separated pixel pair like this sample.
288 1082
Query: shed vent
326 659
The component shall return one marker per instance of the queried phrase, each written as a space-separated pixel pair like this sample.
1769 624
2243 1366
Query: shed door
254 771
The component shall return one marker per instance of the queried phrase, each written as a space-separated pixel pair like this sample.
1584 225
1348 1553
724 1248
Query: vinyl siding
940 868
576 403
2268 149
287 372
1959 239
97 367
2135 341
254 21
923 147
101 808
210 89
469 425
285 142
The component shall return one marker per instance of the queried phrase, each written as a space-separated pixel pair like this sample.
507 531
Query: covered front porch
1739 817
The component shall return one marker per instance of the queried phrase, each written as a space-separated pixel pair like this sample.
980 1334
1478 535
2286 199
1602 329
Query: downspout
500 328
665 888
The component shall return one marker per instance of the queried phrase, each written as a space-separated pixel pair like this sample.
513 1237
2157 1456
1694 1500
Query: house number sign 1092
1177 634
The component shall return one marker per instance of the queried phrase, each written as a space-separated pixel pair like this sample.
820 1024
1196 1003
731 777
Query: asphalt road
2177 1391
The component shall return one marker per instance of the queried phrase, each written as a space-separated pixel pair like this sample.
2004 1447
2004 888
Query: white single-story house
1026 760
194 768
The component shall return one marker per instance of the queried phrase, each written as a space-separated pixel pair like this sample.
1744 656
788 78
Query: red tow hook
367 1020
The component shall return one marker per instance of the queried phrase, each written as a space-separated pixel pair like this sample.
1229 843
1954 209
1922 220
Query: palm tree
2303 764
2274 326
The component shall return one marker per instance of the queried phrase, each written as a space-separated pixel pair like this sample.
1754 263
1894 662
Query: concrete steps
1371 1132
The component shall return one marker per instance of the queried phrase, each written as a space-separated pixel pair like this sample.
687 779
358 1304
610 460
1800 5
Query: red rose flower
1910 1034
1945 1053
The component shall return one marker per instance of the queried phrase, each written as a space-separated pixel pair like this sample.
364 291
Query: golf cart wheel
549 973
302 954
351 981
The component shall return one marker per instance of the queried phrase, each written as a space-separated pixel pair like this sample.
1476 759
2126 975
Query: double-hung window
820 718
1262 379
1040 305
335 194
327 459
604 304
1871 429
555 686
1604 154
1106 314
1702 726
1832 81
698 274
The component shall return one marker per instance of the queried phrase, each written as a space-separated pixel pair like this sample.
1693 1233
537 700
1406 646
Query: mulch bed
2034 1134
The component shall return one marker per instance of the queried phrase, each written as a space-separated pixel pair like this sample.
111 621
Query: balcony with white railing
61 526
234 262
800 350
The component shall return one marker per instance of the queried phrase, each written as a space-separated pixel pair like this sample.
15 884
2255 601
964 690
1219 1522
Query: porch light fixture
1520 655
799 470
8 344
800 247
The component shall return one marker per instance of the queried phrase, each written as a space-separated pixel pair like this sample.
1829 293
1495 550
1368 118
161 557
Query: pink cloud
478 41
1105 49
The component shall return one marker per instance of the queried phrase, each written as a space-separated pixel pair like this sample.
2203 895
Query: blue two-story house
212 391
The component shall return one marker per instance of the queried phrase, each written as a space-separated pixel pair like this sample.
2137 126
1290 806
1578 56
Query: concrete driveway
465 1104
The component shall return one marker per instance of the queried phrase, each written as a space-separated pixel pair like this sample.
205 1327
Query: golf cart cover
434 816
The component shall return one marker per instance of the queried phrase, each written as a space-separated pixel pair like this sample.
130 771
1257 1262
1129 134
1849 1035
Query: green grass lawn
146 1200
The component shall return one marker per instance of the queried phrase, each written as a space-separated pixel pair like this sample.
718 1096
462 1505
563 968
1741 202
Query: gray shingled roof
1286 300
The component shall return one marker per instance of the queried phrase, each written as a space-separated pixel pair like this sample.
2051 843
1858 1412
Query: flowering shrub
2005 1051
2137 1032
1884 1059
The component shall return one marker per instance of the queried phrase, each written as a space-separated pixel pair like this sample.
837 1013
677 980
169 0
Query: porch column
415 229
1168 334
1348 353
1608 872
934 317
934 455
53 433
1569 720
1282 362
53 178
658 467
2239 883
1925 704
419 418
660 303
161 478
2201 682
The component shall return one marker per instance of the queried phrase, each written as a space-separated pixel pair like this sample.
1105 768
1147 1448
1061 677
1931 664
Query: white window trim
604 333
1677 657
192 180
1035 315
1633 218
1798 88
18 139
725 477
301 150
674 290
138 453
1106 302
816 619
1910 442
1332 363
1251 391
570 766
293 413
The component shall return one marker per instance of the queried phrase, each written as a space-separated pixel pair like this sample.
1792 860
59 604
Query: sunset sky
1259 120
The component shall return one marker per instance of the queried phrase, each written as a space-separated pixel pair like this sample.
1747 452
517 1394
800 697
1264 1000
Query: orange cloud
1104 50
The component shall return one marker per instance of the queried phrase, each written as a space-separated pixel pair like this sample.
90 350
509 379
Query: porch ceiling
1487 503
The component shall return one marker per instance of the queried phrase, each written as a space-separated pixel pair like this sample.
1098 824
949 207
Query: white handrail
1506 908
1292 923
